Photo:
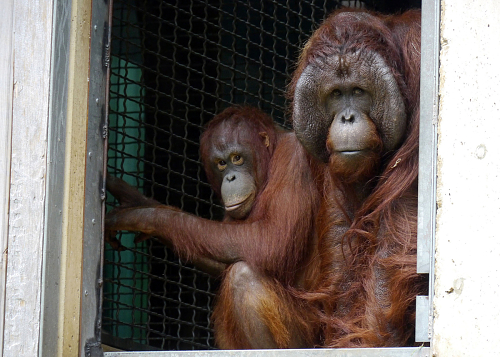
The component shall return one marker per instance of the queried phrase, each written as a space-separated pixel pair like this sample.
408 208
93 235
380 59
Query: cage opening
174 65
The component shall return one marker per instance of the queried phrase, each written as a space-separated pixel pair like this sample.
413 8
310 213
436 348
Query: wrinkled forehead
230 136
363 67
344 63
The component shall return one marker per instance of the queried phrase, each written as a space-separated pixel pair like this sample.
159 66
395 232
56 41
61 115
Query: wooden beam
32 23
6 85
63 254
74 185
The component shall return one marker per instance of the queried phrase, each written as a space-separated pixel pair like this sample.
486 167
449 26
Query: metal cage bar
324 352
427 175
95 194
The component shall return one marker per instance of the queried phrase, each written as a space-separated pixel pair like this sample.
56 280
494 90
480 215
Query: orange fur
271 247
367 223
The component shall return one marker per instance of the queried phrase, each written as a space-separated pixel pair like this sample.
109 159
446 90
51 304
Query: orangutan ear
265 138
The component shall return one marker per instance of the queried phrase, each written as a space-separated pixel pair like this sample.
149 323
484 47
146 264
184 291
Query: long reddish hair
380 230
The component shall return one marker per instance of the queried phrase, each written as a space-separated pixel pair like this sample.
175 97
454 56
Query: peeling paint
481 151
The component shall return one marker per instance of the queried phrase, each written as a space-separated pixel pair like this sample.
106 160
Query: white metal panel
467 284
428 133
427 168
320 352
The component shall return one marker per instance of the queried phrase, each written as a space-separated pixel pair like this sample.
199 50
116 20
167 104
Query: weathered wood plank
6 84
32 55
74 186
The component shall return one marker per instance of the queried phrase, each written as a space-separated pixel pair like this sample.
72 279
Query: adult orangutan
356 109
263 177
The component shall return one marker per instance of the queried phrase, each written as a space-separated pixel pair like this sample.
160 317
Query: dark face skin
232 165
351 131
346 108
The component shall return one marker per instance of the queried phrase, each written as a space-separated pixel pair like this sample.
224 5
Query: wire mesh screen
175 64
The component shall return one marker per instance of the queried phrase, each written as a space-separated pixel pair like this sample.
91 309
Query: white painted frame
31 31
427 177
6 85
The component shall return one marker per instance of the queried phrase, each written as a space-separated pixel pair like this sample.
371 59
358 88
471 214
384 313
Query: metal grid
174 65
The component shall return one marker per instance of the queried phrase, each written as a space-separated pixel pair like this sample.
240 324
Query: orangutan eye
237 160
221 165
357 91
336 93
